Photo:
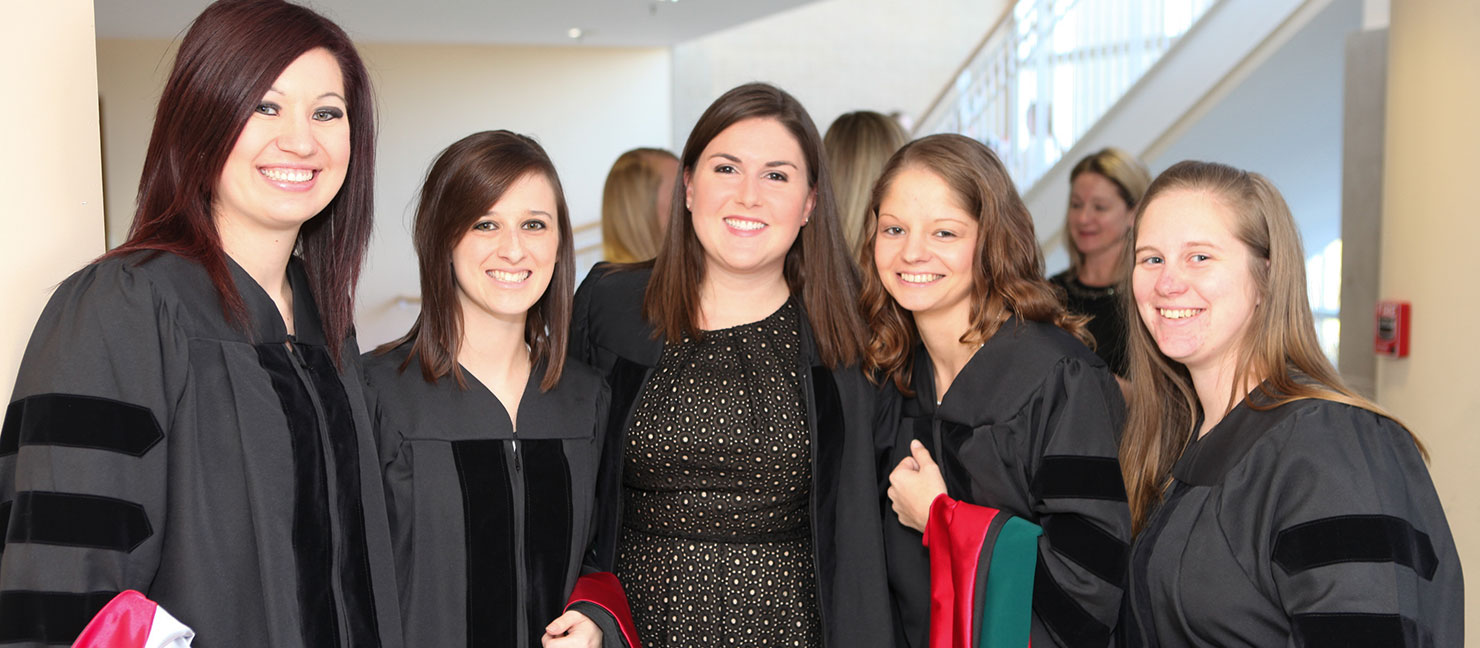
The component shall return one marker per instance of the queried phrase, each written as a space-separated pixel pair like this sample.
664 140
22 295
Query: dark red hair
232 54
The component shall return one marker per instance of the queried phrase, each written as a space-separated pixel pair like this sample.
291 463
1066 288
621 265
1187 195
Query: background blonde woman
635 204
1104 189
858 144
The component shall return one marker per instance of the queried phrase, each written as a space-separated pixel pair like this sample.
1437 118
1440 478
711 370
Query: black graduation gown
609 332
151 445
491 524
1311 524
1030 426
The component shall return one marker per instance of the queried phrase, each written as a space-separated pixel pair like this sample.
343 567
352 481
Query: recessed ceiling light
575 32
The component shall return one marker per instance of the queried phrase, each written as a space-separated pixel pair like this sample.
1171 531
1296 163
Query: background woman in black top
1104 189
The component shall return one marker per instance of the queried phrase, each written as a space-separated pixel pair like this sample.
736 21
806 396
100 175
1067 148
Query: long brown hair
465 180
1125 171
816 266
629 206
232 54
858 144
1278 348
1007 276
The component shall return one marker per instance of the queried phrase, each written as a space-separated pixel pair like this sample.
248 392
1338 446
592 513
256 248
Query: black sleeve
83 453
1078 496
580 347
601 555
1351 536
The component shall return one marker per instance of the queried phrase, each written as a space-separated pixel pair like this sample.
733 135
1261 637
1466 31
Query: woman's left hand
914 485
571 630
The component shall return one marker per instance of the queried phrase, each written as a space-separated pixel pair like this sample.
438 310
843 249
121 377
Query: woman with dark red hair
189 419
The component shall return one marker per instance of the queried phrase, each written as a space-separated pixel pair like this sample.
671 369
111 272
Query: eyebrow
326 94
774 163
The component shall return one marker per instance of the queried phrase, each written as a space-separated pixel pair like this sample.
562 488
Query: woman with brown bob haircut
1273 506
482 421
998 415
635 203
748 469
188 420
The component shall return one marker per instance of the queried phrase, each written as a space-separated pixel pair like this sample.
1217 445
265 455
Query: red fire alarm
1391 337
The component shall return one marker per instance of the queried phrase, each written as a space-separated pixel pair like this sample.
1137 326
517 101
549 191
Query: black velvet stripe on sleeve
79 422
1071 477
4 524
488 510
74 520
547 528
312 540
344 443
1355 631
1091 547
48 617
1355 538
1062 614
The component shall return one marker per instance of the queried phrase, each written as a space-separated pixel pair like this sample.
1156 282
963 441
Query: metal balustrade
1050 69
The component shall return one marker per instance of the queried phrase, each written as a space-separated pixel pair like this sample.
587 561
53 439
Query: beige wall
53 217
585 105
1430 235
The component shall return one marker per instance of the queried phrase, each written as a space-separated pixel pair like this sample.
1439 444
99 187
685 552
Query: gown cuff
603 591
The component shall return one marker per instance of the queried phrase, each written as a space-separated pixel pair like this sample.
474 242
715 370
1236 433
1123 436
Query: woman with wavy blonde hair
635 204
1104 189
1311 512
998 411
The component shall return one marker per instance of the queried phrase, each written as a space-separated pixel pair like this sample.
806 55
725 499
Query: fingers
563 623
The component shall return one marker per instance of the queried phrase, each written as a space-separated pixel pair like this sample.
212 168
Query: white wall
1284 121
585 106
53 217
836 56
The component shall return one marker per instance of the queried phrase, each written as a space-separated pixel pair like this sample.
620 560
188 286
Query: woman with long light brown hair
1273 505
635 202
999 412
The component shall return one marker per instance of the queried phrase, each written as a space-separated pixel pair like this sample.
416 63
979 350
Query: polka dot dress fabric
716 540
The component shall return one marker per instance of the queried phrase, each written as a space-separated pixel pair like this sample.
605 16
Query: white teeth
288 175
748 225
1179 313
919 277
510 277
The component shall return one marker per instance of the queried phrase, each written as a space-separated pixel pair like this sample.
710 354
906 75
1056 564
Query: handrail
1050 69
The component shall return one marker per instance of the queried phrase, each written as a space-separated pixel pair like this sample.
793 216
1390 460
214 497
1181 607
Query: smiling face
1192 280
1098 218
504 262
925 246
749 197
293 152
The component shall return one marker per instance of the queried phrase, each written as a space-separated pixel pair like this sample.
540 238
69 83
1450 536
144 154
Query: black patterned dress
716 545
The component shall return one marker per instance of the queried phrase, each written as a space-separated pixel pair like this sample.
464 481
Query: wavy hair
462 184
816 267
1007 275
231 55
1278 349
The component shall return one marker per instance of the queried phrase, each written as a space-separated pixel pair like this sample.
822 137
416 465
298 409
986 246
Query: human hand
913 486
571 630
